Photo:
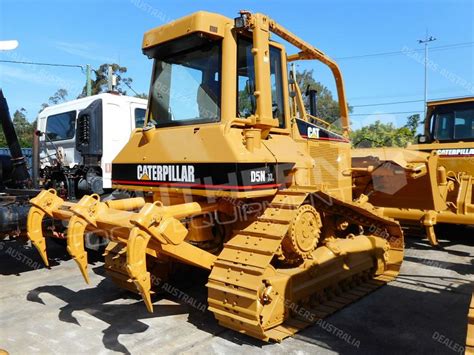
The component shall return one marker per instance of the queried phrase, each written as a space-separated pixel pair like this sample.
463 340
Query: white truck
77 141
73 149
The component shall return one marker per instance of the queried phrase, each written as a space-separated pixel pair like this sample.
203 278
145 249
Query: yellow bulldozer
237 179
430 182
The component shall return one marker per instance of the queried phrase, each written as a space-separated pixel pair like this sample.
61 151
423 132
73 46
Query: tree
142 96
58 97
100 83
23 128
380 134
3 141
328 108
412 124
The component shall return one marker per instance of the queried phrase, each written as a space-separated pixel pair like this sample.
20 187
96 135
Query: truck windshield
454 125
186 83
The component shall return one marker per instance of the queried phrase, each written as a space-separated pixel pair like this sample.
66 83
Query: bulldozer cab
209 69
449 132
450 121
196 78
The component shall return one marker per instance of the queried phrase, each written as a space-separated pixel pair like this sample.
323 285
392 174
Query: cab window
61 126
246 101
463 124
186 84
140 115
454 125
277 85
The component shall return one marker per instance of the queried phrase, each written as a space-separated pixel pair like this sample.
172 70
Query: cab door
59 138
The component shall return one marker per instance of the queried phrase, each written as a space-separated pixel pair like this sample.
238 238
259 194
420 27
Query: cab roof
450 101
204 22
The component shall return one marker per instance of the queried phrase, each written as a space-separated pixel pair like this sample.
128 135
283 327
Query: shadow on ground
18 256
449 235
405 316
393 319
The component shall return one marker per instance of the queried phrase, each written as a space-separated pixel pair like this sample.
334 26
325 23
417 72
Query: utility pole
88 80
111 79
426 41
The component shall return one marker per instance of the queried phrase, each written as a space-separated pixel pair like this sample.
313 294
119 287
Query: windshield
454 125
186 84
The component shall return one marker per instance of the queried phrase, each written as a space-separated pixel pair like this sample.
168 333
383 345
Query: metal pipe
35 160
88 80
417 215
127 204
20 173
309 52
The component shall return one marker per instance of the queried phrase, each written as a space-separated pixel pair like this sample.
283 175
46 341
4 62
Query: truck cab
82 136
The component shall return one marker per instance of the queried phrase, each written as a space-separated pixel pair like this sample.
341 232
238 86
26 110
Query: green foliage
380 134
142 96
3 141
328 108
412 124
244 104
100 83
59 96
23 128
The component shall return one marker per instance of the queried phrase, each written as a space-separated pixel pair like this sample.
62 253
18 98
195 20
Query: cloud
36 76
84 50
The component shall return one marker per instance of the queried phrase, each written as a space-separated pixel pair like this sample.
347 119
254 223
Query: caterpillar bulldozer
430 182
237 179
427 183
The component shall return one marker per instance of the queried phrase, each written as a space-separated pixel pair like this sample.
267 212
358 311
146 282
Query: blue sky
97 31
